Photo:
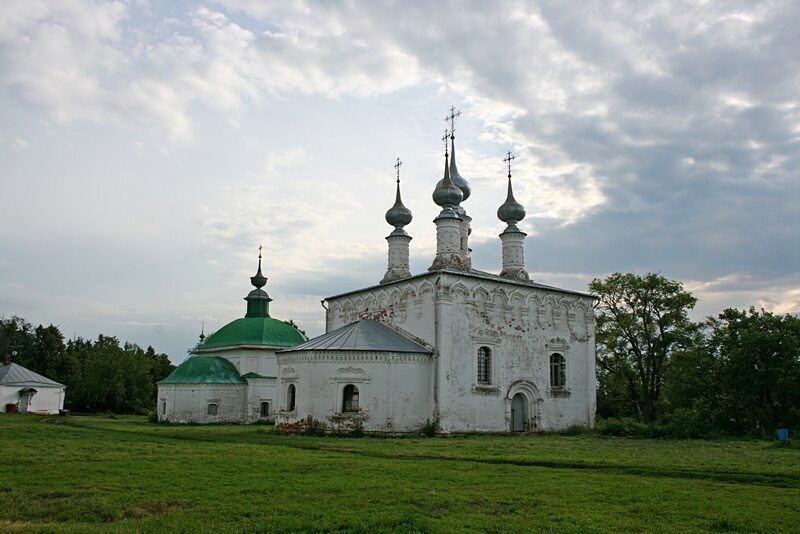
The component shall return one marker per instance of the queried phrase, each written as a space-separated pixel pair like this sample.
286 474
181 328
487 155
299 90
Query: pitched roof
15 375
204 370
365 335
254 331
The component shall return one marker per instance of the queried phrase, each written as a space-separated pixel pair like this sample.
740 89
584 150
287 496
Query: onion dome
398 215
258 300
511 211
458 180
446 194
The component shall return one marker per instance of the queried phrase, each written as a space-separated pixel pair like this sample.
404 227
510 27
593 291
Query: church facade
454 347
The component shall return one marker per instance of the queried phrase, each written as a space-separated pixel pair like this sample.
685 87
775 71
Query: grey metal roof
366 335
15 375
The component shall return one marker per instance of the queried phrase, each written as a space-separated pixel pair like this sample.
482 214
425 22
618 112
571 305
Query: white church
453 347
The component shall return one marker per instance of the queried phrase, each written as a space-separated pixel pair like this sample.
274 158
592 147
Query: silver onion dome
398 215
446 194
511 211
458 180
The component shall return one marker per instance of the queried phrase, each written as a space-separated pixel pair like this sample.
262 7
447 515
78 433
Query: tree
160 368
745 377
641 321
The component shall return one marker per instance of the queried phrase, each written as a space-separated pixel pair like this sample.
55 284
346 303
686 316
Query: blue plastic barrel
783 434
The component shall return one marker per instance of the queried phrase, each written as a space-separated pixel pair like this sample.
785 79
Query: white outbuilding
23 391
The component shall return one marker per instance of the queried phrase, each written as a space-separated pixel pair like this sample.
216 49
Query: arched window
484 365
212 409
350 399
558 371
290 398
264 409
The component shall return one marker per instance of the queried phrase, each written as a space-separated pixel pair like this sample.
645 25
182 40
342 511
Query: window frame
291 397
558 371
491 342
484 366
350 404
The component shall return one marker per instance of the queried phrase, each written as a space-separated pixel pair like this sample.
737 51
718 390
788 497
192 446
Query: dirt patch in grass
153 508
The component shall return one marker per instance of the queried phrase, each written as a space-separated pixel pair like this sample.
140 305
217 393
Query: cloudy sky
147 148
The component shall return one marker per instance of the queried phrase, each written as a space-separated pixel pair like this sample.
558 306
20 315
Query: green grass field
99 474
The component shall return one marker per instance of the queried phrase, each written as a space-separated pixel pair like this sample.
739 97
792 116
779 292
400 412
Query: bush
315 428
430 428
152 417
577 430
685 424
357 430
625 427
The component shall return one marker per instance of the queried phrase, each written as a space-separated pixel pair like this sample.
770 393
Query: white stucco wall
261 390
256 359
394 388
47 399
521 324
188 403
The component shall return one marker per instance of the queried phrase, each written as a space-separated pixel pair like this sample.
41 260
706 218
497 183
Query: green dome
254 331
204 370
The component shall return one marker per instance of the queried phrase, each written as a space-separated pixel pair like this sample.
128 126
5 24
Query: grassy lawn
97 474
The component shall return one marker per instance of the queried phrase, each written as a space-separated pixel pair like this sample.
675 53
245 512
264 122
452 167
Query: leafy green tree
115 378
160 368
641 321
16 335
745 377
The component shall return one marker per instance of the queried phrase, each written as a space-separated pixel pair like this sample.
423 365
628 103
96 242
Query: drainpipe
437 337
327 316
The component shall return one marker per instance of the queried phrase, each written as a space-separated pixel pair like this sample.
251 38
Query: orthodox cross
397 168
452 120
508 159
259 251
444 139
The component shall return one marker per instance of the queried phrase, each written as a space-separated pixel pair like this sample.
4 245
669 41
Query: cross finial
452 120
508 159
259 251
397 168
445 138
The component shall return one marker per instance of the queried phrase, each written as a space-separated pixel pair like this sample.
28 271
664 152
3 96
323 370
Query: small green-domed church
231 377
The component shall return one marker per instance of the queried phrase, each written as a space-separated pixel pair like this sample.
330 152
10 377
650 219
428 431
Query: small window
290 398
163 407
350 399
264 409
558 371
484 366
212 409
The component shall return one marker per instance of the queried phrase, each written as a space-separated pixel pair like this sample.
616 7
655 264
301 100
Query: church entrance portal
518 413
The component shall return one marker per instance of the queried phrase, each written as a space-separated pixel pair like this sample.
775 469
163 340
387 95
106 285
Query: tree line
735 374
101 375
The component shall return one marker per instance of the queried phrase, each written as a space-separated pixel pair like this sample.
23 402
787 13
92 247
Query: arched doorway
522 406
519 412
